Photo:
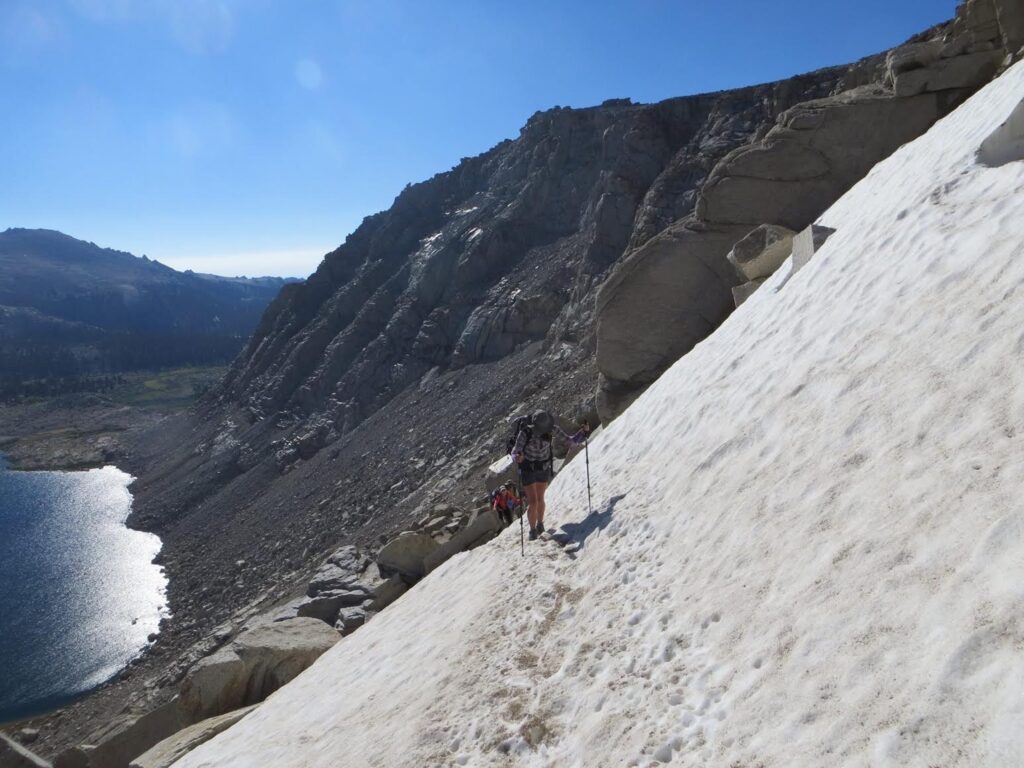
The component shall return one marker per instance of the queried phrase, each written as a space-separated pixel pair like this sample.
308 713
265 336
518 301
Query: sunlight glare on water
79 593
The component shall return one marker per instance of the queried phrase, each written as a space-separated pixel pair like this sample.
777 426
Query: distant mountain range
69 308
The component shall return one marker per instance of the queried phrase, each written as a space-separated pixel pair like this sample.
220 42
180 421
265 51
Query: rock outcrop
170 750
406 553
757 256
762 251
116 743
253 666
672 291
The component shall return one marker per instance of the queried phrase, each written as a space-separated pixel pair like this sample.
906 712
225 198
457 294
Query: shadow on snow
574 535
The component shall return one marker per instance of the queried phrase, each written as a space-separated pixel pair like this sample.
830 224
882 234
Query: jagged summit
817 564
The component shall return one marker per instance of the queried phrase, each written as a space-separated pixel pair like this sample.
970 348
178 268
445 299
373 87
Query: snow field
808 539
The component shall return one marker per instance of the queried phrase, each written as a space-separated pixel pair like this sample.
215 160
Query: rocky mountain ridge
68 307
504 250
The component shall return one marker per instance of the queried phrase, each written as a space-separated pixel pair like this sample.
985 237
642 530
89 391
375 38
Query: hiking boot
540 528
533 533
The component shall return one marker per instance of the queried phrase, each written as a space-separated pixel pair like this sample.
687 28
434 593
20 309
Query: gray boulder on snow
762 251
173 748
254 665
405 554
481 529
331 578
351 619
342 570
389 590
325 606
666 297
117 742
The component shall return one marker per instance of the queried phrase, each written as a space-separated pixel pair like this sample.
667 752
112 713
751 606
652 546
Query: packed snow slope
807 547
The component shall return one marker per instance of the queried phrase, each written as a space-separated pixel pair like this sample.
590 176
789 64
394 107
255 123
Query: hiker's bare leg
538 492
532 504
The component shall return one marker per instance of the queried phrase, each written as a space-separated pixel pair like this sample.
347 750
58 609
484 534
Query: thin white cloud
202 26
309 74
25 29
320 137
107 10
199 129
199 26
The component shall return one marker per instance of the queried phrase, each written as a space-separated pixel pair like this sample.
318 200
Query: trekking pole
586 455
522 513
522 531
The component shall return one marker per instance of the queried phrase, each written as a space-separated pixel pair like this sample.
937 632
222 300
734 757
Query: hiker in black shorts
533 452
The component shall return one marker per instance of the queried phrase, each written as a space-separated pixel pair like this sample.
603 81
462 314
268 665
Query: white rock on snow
808 543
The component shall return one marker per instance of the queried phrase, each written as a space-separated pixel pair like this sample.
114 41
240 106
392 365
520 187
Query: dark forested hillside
70 308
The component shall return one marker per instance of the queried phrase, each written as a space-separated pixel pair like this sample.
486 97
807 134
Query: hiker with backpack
531 448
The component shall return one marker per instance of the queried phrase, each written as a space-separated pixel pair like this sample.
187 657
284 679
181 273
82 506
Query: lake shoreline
78 576
70 434
78 433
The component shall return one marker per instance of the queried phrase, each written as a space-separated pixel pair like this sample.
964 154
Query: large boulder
217 683
967 71
667 295
912 56
173 748
484 527
254 665
763 251
818 150
325 606
122 739
670 294
342 570
331 578
405 554
389 590
351 619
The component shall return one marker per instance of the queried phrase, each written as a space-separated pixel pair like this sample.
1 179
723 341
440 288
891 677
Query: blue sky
250 136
